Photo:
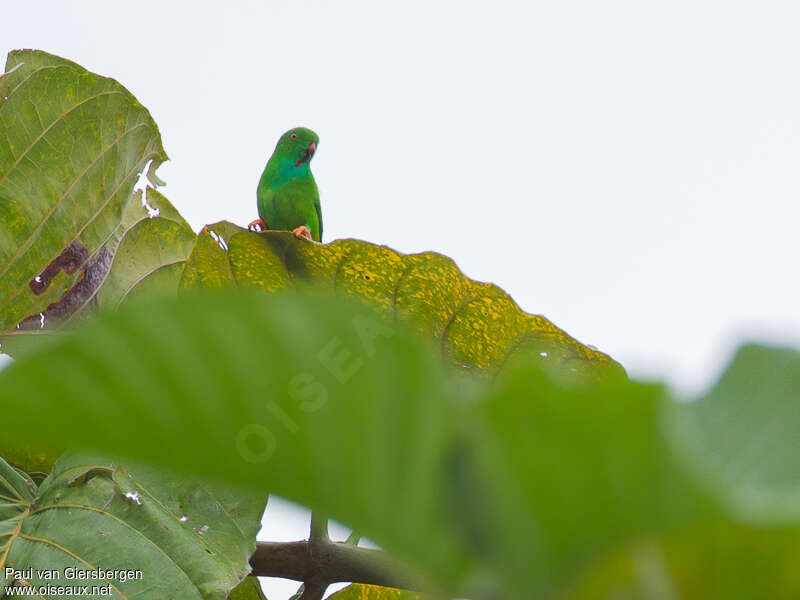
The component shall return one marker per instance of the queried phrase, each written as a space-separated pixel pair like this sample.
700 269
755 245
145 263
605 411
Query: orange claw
261 225
302 231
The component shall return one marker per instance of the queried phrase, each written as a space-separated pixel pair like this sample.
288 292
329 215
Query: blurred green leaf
30 457
542 489
742 437
714 561
591 468
72 145
190 538
292 394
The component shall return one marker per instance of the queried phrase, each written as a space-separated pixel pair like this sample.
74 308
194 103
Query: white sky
626 168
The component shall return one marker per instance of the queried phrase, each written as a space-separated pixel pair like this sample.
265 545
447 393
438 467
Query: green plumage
287 193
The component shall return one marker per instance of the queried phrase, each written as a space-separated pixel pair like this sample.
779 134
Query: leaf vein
70 553
99 210
125 524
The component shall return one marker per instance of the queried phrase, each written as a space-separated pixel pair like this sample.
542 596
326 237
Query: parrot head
297 145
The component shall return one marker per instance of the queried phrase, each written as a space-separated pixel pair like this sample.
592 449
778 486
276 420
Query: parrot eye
293 136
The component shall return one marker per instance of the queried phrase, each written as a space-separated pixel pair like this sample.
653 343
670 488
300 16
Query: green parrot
288 198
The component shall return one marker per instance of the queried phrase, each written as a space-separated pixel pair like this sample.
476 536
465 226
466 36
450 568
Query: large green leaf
301 396
188 538
539 490
477 326
72 145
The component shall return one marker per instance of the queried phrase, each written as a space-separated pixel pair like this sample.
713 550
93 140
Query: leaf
154 241
150 255
297 395
476 326
528 488
718 560
188 538
742 436
612 509
579 472
29 457
72 145
207 266
359 591
729 560
249 589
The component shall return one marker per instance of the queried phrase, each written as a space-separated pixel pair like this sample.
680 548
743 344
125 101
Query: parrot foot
257 223
302 231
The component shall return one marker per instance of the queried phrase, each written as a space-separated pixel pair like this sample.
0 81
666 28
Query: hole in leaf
134 497
219 239
151 212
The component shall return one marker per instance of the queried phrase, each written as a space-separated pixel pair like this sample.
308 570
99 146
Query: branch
315 587
324 562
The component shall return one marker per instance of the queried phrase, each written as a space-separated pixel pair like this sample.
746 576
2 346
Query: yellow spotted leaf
359 591
477 326
72 146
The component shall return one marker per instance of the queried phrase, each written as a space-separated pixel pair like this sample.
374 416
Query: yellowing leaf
249 589
477 326
359 591
72 145
152 248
